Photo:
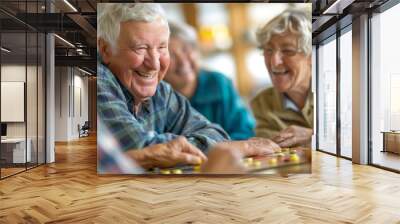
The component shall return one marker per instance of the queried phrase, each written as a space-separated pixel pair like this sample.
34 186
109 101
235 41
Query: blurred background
226 32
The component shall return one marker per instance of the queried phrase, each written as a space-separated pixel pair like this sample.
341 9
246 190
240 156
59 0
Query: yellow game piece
177 171
294 158
165 171
257 164
280 154
273 162
200 162
248 160
197 168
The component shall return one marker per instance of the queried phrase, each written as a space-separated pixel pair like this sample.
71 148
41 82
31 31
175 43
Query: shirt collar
128 96
288 104
130 100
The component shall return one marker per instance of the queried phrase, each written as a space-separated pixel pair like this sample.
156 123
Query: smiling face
182 70
289 69
141 58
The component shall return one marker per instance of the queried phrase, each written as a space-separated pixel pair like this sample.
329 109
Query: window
327 96
22 68
346 93
385 85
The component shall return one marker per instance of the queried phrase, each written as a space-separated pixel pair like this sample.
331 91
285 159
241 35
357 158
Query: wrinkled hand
177 151
223 160
294 136
261 146
252 147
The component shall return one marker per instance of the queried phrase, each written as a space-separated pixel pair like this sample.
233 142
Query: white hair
110 16
184 32
293 20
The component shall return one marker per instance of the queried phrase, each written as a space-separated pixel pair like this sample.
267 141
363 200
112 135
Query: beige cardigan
272 117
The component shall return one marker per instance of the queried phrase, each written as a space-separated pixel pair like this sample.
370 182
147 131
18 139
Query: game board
288 160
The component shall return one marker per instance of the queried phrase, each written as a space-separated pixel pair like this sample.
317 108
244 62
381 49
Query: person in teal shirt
209 92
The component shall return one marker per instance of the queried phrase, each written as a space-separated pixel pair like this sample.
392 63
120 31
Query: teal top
216 98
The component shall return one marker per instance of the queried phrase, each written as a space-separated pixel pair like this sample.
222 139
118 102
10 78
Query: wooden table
391 141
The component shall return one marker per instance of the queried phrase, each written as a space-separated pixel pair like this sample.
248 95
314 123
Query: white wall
61 103
80 118
14 73
33 126
71 94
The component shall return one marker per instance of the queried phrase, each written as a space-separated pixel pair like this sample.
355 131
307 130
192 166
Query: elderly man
154 125
285 111
209 92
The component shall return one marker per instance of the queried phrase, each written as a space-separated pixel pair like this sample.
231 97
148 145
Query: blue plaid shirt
162 118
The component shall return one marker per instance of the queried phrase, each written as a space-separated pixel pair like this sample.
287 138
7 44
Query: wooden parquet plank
70 191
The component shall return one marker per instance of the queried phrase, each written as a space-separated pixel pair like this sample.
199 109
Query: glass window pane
31 96
386 89
327 97
22 76
14 148
346 94
41 99
314 83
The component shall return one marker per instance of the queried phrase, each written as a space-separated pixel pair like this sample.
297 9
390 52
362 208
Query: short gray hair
110 16
293 20
184 32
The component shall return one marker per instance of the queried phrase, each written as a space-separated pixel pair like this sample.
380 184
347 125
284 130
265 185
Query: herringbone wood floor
70 191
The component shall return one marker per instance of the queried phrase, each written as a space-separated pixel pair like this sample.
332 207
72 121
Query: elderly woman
284 112
209 92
